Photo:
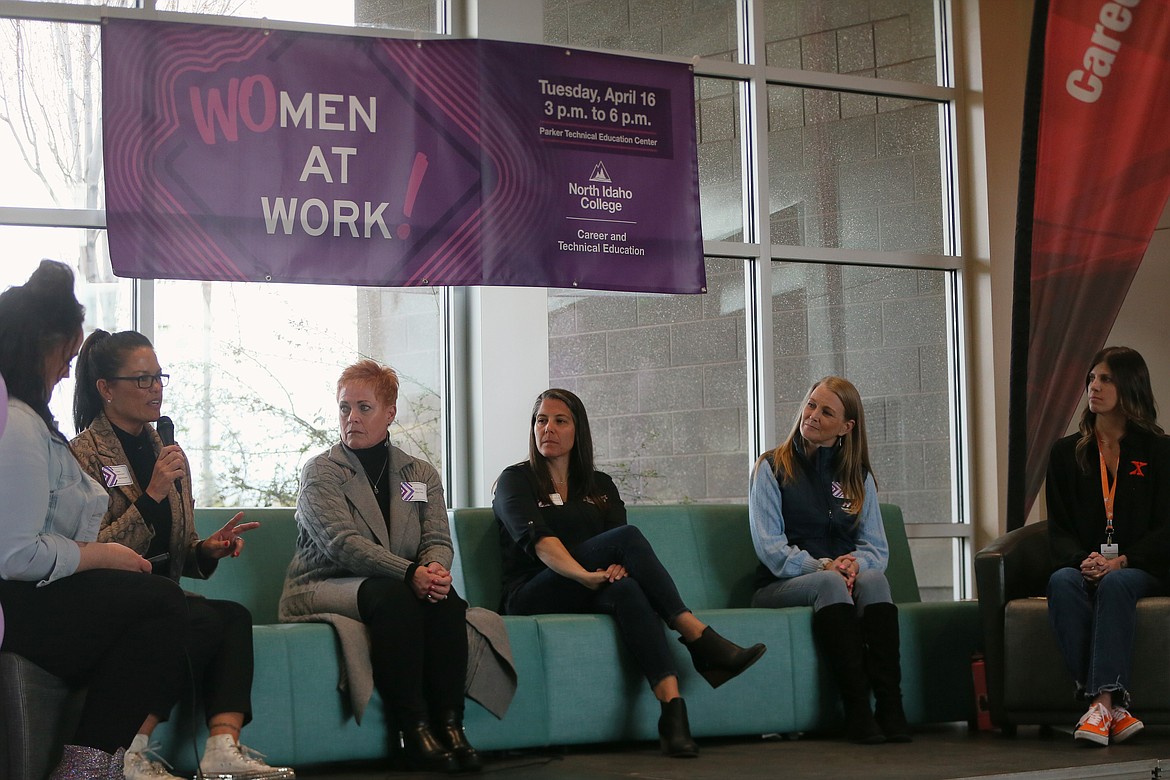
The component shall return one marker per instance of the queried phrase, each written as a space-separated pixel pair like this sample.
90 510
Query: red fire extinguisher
979 683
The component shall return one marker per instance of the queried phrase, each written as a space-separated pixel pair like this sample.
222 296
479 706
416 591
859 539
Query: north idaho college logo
600 193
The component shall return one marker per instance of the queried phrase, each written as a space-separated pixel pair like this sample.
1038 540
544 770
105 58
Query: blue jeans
824 588
1094 625
639 603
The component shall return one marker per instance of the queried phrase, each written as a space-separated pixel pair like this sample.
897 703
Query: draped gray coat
342 539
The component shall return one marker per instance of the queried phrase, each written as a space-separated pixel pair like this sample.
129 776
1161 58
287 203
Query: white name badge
414 491
116 476
556 499
1109 550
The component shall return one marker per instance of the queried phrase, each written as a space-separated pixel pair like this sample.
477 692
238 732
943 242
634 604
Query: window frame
753 77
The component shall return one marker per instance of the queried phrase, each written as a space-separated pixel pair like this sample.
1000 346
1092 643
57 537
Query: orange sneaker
1094 725
1124 725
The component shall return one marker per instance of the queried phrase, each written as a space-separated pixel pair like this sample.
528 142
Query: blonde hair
852 462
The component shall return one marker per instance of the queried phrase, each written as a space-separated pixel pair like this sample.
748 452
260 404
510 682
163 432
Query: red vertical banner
1094 179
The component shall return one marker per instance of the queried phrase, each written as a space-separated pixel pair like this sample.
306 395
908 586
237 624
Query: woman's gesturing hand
227 540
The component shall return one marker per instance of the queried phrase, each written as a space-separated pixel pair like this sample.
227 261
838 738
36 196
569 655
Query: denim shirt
49 503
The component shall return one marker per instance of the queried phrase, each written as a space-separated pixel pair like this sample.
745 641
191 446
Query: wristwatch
825 563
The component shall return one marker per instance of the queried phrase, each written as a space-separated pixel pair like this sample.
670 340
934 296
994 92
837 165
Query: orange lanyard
1107 493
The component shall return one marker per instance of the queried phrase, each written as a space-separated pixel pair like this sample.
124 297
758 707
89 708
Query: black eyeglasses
146 381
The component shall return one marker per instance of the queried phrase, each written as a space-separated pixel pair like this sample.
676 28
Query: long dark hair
581 457
1135 396
37 318
852 460
102 356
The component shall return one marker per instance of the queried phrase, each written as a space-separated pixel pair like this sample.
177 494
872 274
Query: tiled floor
937 752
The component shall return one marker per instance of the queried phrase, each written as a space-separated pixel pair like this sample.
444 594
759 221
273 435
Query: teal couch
577 685
570 665
708 550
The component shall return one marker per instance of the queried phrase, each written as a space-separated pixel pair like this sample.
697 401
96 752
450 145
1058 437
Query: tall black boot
838 633
879 626
449 729
674 731
719 659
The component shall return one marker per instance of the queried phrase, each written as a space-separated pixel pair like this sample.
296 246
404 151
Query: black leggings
219 644
418 650
119 633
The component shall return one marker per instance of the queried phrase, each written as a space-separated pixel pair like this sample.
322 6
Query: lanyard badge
1108 491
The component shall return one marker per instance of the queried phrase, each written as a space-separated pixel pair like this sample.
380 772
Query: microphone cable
194 704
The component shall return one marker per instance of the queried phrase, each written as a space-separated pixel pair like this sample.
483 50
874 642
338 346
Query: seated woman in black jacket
1108 493
567 548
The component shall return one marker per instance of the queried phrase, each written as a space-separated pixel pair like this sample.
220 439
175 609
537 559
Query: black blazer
1141 503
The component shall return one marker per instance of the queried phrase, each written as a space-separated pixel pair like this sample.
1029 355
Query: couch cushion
903 580
256 578
708 545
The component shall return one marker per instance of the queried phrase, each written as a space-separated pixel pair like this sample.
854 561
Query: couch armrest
1013 566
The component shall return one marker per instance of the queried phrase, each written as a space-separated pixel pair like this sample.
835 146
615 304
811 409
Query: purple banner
263 155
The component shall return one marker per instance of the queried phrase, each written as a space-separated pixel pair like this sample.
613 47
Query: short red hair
383 379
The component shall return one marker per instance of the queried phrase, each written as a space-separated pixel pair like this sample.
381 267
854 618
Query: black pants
418 650
121 634
219 644
639 603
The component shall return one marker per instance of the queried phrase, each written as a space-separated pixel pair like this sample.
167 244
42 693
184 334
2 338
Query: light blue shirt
766 518
47 503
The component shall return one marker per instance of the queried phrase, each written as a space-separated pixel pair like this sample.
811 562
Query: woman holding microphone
117 398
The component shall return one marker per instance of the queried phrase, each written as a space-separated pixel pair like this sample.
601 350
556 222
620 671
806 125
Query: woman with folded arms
817 529
1108 493
116 401
81 609
567 548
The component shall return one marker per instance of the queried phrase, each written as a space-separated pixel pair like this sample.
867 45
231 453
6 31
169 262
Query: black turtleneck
156 514
376 463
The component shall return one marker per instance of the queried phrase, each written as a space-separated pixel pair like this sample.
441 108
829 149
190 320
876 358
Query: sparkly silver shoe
86 763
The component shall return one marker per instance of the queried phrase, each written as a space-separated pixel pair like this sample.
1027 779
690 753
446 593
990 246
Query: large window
254 374
835 182
663 378
826 176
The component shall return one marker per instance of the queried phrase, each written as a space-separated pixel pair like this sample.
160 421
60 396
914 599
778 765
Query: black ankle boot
450 730
424 752
717 659
674 732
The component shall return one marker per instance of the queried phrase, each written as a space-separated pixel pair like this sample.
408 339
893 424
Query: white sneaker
147 764
226 759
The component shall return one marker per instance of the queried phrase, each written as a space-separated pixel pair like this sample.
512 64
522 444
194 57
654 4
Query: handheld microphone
166 430
165 427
